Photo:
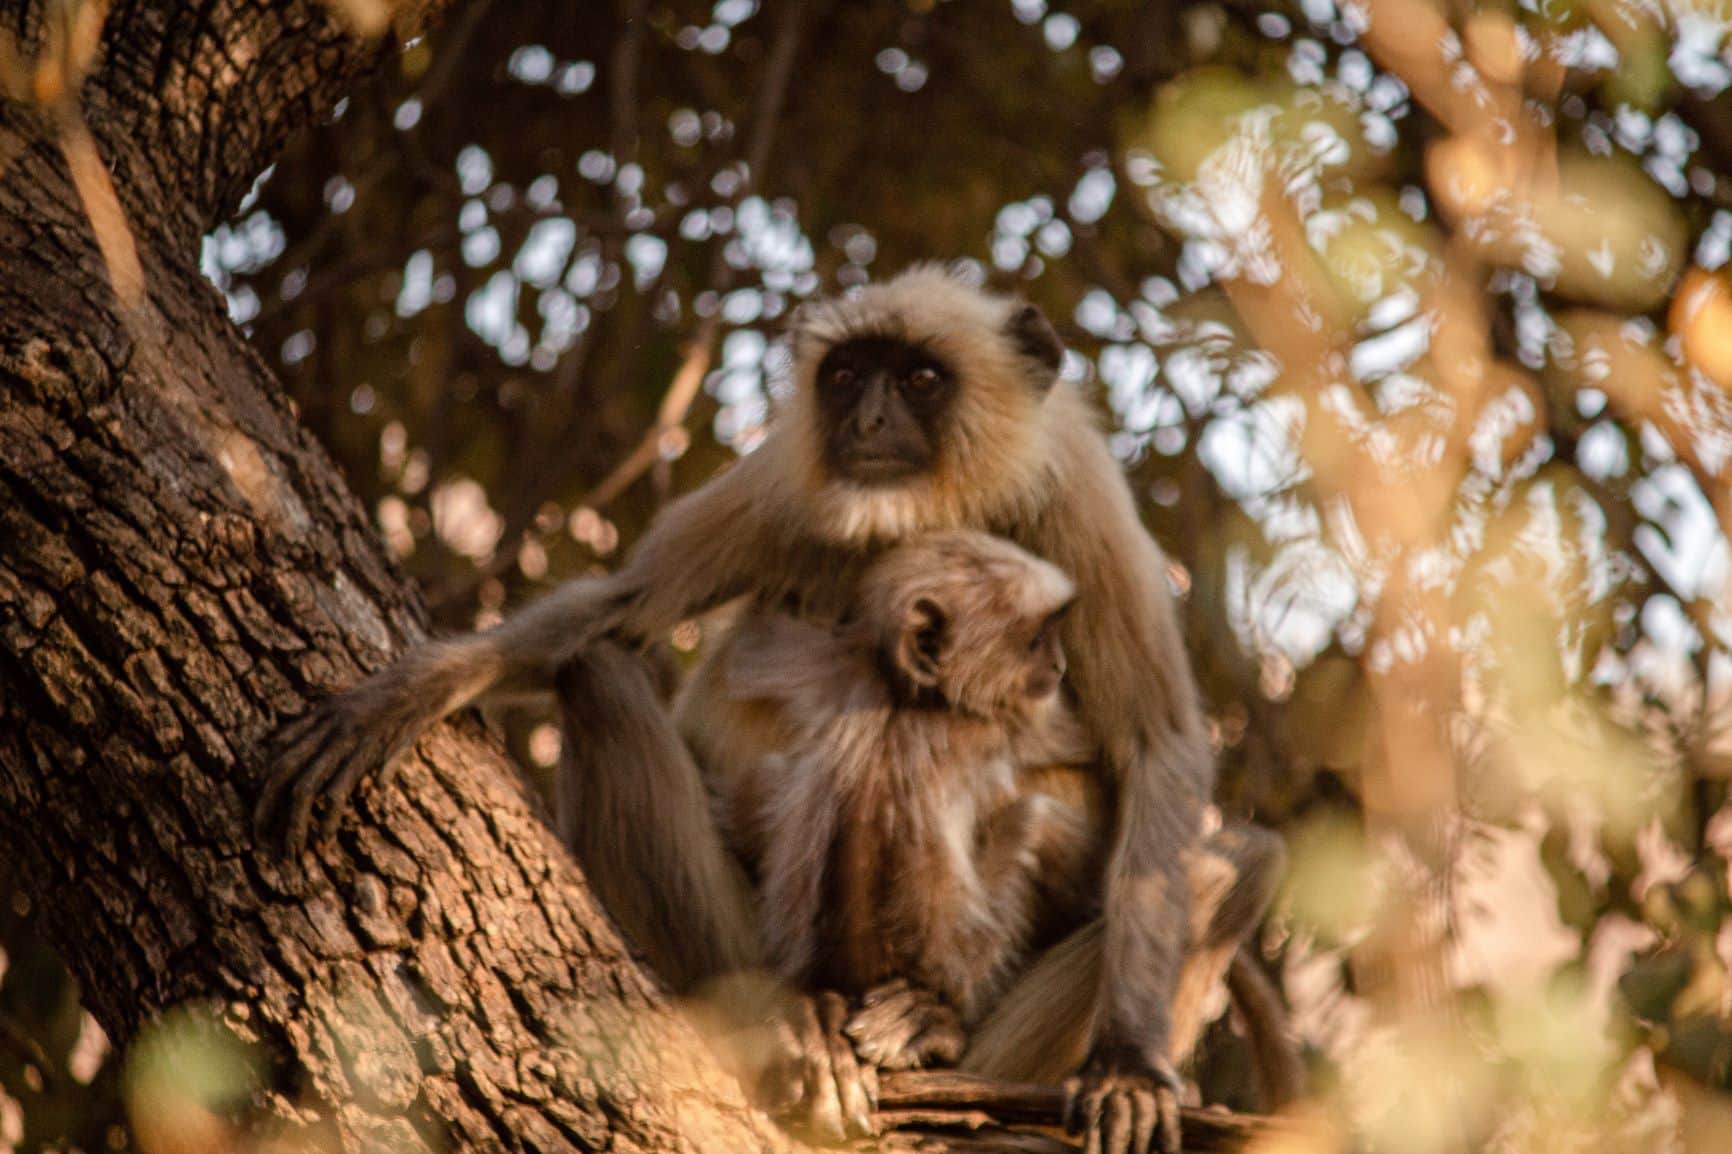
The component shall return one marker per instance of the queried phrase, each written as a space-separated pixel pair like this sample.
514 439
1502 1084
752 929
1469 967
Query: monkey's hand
328 751
904 1027
1121 1100
823 1090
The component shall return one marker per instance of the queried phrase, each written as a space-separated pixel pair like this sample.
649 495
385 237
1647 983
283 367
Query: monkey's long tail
1280 1071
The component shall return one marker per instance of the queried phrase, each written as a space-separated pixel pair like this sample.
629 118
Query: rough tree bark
180 568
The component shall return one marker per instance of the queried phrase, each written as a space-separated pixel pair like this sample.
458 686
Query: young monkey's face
1043 663
968 619
1017 667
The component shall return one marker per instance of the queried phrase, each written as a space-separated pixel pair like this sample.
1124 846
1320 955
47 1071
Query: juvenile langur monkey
919 404
929 812
898 839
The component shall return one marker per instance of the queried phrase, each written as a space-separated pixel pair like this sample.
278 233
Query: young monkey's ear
1032 335
925 640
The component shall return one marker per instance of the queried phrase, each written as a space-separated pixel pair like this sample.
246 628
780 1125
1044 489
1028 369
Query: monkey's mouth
877 468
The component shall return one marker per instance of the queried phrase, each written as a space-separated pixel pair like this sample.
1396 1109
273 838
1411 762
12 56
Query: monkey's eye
920 380
842 378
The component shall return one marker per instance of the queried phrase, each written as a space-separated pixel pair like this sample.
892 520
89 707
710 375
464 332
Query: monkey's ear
925 639
1032 335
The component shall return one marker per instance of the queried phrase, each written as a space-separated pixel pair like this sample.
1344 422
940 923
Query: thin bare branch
1012 1116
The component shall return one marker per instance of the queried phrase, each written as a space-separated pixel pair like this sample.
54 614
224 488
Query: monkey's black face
882 404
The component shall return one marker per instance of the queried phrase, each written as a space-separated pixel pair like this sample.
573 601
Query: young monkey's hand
903 1027
1122 1103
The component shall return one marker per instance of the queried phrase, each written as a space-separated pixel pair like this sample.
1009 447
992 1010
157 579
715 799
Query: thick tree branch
181 568
194 100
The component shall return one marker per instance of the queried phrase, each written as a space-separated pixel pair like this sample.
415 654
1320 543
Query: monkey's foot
1122 1109
828 1092
904 1027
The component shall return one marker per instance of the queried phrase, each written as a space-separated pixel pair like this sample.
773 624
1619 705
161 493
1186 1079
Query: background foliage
1414 325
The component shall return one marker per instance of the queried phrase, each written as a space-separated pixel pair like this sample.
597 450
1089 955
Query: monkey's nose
868 424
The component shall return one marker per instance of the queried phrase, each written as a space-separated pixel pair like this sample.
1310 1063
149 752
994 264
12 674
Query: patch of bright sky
563 320
1502 417
1664 660
739 386
1390 352
1253 453
1294 604
1680 535
1715 246
542 258
772 238
1698 60
1093 195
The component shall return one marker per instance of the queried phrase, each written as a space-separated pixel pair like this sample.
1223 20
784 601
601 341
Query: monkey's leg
1233 876
1281 1076
1042 840
631 803
1042 1028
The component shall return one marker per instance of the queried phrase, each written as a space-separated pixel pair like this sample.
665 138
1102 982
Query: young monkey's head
969 619
919 403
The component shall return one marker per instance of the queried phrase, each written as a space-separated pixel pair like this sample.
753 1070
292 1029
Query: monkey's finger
1147 1118
388 767
337 795
1091 1120
299 772
850 1092
1167 1104
886 1004
1116 1134
884 992
308 789
823 1108
341 789
1070 1114
300 741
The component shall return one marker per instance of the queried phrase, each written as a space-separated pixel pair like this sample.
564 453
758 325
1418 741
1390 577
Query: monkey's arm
704 549
802 666
1135 689
796 864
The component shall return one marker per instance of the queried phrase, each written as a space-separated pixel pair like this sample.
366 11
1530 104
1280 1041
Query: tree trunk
181 568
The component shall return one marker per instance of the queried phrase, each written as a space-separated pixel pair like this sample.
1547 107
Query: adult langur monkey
919 404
